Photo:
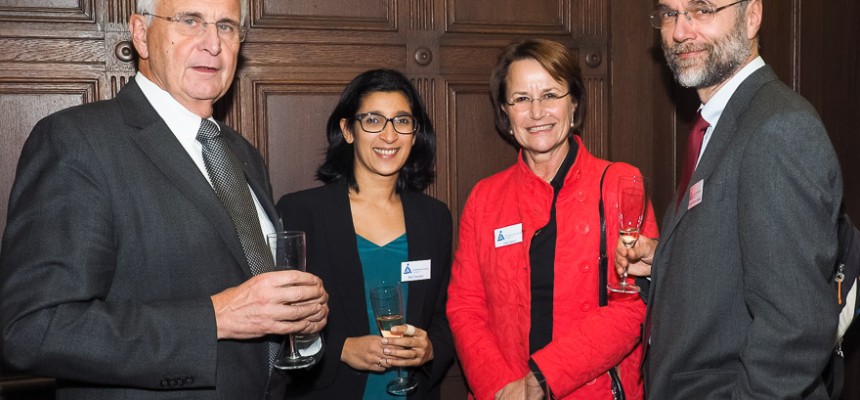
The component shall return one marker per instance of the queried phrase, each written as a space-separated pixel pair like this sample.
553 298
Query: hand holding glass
288 250
387 303
632 203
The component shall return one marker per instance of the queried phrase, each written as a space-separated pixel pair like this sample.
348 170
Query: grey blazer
114 244
741 306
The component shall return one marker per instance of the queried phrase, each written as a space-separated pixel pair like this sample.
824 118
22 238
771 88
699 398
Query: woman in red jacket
523 298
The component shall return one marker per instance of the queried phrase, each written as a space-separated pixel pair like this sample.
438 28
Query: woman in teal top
380 266
372 223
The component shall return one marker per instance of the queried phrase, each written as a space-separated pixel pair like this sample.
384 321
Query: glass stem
293 352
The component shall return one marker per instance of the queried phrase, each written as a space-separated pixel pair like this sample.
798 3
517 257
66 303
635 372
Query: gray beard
724 59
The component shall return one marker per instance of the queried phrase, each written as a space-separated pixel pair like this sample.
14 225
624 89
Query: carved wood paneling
476 149
38 50
355 56
426 88
509 17
118 11
76 11
291 117
372 15
596 118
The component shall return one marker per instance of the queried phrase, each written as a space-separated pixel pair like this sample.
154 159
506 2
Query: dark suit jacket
114 244
741 303
324 213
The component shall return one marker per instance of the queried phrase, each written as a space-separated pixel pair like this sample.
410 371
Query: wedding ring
410 330
379 363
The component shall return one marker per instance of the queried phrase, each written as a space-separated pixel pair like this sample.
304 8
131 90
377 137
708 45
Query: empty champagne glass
288 250
632 203
387 303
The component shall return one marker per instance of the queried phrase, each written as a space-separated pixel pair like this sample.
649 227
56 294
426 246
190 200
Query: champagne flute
632 203
387 303
288 249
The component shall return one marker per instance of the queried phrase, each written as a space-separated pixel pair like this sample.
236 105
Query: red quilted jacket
489 294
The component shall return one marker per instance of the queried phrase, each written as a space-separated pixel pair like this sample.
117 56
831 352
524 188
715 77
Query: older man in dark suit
134 264
740 305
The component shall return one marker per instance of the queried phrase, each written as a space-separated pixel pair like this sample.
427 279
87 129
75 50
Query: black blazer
324 213
114 244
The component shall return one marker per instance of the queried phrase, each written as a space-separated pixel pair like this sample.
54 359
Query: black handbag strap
603 260
602 291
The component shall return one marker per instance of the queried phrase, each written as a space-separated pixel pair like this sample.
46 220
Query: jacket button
583 229
585 307
580 196
584 268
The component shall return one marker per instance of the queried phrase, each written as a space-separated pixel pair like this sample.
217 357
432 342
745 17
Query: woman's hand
364 353
526 388
411 350
637 259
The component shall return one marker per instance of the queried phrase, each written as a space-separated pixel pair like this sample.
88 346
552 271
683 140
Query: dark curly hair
417 173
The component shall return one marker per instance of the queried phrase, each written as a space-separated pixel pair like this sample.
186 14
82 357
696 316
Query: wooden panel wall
300 54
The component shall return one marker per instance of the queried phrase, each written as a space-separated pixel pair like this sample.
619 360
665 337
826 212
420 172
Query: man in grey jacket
740 303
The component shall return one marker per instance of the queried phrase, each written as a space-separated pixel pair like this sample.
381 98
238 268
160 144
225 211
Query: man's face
706 54
196 70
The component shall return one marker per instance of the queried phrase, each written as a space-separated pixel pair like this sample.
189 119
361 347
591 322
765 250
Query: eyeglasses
375 123
547 100
698 14
194 25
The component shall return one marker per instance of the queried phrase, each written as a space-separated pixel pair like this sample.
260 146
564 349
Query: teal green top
381 264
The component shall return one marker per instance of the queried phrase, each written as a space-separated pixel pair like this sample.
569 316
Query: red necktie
694 145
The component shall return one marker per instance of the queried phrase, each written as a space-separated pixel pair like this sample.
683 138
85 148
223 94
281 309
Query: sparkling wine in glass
632 203
387 303
288 250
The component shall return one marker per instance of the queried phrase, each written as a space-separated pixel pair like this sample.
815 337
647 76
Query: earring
572 123
511 132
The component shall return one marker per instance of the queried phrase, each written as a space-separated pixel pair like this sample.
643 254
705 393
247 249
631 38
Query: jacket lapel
420 239
720 141
340 233
155 139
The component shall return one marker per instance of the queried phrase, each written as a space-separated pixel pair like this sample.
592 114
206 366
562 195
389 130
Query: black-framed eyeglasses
547 100
375 123
697 14
194 25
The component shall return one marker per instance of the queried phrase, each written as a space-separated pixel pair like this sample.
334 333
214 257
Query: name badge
696 194
508 235
415 270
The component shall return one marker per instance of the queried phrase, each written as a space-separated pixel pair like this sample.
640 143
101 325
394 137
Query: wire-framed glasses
547 100
195 25
375 123
696 14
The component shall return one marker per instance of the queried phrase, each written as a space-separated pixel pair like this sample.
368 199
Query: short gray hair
148 7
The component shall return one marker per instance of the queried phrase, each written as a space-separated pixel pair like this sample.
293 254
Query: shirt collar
183 123
712 111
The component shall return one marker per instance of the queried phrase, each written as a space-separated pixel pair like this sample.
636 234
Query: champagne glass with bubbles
387 303
632 204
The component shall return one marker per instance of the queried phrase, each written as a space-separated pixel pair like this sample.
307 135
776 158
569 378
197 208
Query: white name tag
508 235
414 270
696 194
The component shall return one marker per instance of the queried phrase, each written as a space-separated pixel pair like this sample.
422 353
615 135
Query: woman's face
539 126
384 153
